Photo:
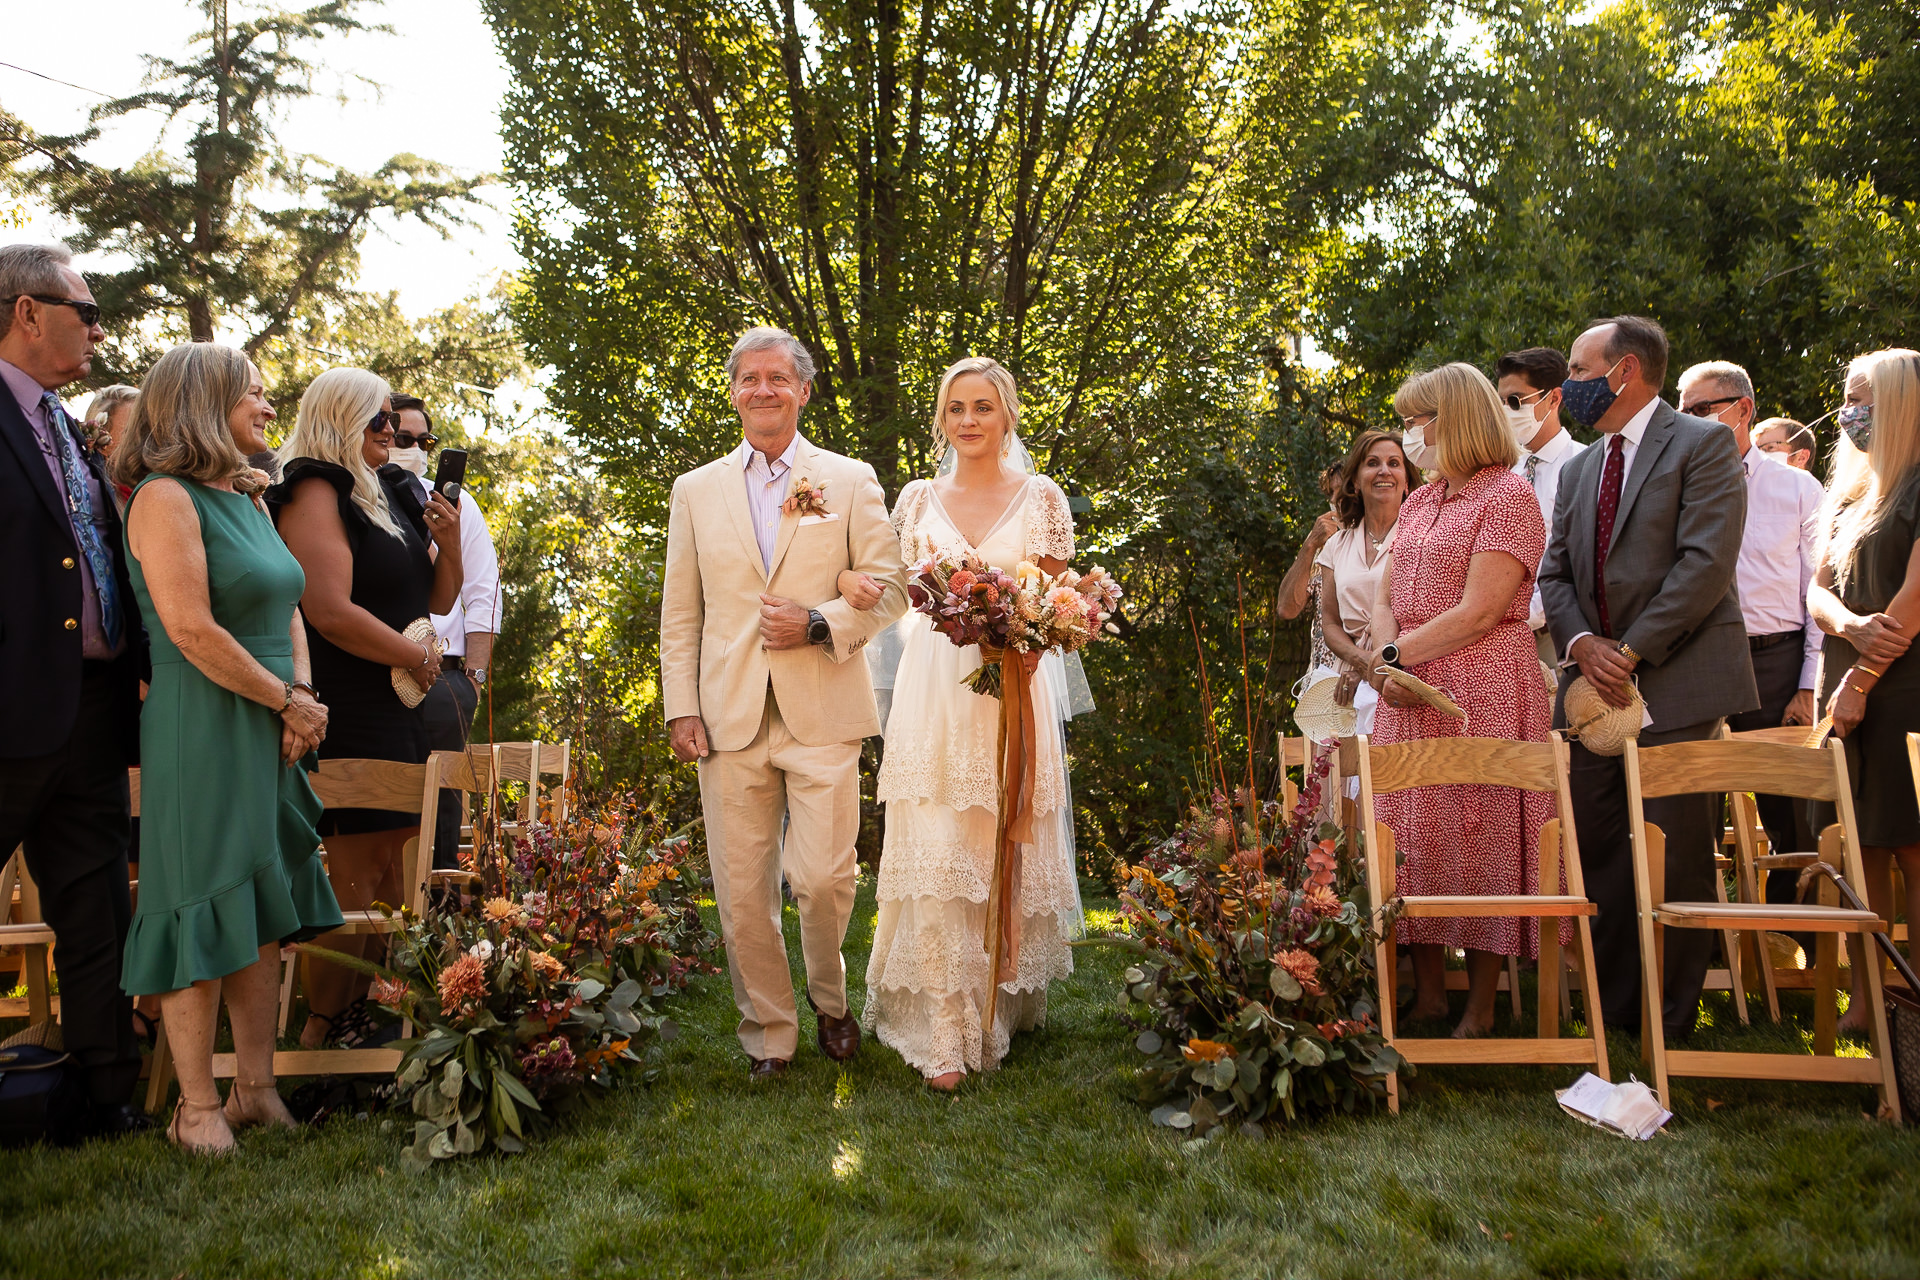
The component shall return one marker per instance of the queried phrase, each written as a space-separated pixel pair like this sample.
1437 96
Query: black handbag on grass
42 1097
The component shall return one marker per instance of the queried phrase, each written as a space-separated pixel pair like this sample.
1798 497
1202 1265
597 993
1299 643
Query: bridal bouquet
1028 610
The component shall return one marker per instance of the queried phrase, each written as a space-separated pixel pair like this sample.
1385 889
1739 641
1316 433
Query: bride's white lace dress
927 977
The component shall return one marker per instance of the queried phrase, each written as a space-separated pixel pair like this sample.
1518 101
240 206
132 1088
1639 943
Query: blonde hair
1864 483
106 400
330 425
1469 427
994 372
179 424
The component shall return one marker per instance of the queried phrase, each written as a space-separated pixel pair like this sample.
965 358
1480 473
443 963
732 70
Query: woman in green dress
229 857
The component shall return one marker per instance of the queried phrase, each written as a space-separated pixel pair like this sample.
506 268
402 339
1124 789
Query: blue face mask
1857 421
1588 399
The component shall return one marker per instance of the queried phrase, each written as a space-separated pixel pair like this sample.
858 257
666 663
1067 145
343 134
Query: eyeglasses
381 421
89 312
1419 421
1701 408
1516 401
407 440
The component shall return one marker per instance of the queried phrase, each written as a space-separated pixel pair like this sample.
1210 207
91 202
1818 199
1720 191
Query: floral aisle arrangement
545 984
1027 611
1252 989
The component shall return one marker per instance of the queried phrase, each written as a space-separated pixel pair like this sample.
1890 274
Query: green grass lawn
1043 1168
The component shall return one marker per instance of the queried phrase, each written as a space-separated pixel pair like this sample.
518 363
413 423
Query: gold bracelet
1861 666
1862 690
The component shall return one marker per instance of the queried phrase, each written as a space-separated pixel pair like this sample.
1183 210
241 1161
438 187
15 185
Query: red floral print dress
1478 840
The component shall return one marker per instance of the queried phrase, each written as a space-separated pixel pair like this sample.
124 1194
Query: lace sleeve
1049 522
906 519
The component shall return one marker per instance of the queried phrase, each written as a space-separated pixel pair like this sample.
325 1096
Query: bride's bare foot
258 1103
1852 1023
1427 1010
946 1081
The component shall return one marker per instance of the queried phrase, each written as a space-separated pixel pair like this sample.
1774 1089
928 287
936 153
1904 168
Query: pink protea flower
1305 968
462 983
388 991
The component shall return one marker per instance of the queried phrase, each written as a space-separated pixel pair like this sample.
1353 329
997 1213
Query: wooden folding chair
352 784
1529 766
1772 768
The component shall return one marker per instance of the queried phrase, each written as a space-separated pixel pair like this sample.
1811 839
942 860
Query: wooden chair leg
1513 987
160 1070
34 963
289 964
1826 980
1552 989
1865 955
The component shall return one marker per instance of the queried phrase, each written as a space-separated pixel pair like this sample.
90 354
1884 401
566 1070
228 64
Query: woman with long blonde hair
928 973
363 537
1866 597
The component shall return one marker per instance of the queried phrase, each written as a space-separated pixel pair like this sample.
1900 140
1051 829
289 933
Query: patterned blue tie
80 503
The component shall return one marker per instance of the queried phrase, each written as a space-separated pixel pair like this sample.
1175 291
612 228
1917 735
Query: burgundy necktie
1611 475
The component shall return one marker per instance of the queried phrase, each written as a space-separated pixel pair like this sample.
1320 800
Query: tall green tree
233 231
1738 171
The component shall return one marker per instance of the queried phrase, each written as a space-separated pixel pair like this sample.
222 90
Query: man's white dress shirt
1542 470
766 490
1776 554
479 605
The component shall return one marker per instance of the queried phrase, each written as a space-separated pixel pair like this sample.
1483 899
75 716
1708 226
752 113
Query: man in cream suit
765 685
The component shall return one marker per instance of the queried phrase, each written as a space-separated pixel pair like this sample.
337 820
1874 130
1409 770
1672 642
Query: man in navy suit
71 652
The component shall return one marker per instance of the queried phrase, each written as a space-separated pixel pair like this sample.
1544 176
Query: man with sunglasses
468 630
71 653
1529 386
1775 569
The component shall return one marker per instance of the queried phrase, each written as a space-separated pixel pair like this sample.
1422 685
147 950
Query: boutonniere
806 498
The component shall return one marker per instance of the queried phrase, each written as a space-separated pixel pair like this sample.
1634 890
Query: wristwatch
1390 654
818 632
478 675
1626 651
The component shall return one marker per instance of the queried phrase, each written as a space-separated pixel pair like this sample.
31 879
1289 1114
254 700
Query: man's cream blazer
711 661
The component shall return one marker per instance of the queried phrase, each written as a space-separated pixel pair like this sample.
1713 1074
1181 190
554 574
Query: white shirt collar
1637 424
1556 449
744 454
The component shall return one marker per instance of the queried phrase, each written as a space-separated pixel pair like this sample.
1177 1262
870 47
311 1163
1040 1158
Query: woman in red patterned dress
1453 611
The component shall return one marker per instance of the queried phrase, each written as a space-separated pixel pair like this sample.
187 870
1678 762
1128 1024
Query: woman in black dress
363 539
1866 597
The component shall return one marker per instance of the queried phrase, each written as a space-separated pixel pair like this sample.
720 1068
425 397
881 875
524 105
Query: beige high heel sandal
198 1148
247 1114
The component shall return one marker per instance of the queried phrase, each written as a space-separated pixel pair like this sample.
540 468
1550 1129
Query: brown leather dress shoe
766 1069
839 1037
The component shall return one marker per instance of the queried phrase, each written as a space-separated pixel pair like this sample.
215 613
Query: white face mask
414 460
1523 425
1422 455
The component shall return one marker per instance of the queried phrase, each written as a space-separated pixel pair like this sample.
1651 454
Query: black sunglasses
89 312
407 440
382 420
1700 408
1516 401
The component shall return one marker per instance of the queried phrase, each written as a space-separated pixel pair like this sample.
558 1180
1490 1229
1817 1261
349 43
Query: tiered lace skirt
927 977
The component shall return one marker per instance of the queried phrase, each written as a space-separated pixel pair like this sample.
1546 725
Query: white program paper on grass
1629 1109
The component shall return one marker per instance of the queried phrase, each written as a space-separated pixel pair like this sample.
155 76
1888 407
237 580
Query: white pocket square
831 515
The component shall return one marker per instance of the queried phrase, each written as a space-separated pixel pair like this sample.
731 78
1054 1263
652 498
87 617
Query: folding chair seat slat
1439 907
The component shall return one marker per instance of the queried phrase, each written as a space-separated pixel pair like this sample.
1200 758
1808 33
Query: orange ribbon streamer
1014 792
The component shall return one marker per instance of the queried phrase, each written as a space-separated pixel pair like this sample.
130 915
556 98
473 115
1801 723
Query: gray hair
1722 373
29 269
766 337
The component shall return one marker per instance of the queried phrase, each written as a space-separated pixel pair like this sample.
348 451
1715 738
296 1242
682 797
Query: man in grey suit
1638 582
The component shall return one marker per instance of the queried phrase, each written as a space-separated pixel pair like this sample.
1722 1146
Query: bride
928 974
